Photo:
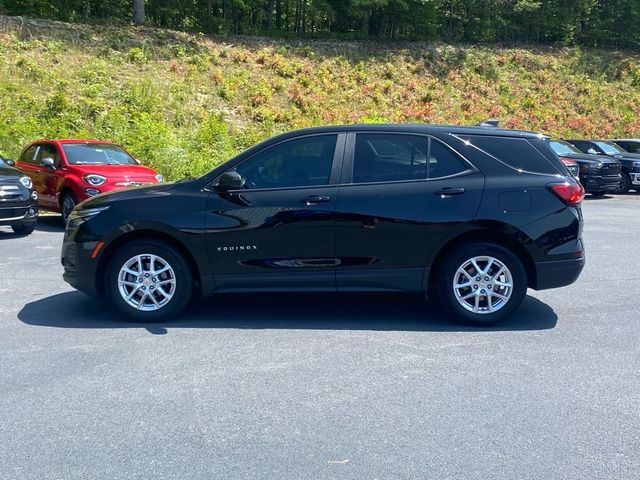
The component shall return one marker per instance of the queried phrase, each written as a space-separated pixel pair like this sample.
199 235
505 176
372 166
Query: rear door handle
448 191
311 199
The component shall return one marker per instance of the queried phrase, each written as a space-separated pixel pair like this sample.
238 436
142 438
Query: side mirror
11 163
48 162
230 181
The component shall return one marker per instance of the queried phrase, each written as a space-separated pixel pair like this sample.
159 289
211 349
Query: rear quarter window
518 153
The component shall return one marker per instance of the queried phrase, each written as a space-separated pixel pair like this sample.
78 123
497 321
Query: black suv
629 161
631 145
599 174
470 215
18 200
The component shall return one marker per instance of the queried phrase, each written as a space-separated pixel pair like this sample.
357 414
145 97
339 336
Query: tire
478 312
25 229
152 300
67 204
625 184
598 194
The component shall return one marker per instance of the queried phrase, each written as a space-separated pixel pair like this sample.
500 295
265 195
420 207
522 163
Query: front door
49 177
401 195
277 231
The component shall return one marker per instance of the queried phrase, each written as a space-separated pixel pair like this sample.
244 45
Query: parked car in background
66 172
632 145
599 174
18 200
473 215
630 162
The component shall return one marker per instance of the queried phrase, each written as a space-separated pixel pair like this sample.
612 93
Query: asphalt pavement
323 386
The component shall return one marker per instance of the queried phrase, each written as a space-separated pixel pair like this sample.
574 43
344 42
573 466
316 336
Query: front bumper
557 273
18 214
598 183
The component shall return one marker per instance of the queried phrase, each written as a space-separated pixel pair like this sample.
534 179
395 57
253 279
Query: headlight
159 178
79 216
94 179
26 181
636 164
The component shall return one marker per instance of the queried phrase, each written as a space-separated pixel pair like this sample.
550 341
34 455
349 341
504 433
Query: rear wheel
481 283
149 280
23 229
68 204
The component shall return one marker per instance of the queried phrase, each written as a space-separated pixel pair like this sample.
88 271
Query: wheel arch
493 235
112 248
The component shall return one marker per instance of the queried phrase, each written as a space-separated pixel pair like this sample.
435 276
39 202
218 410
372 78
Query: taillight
569 193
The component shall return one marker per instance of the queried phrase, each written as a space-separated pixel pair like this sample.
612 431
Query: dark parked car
630 162
471 215
632 145
599 174
18 200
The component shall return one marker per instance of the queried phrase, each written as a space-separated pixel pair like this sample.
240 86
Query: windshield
96 154
563 148
609 148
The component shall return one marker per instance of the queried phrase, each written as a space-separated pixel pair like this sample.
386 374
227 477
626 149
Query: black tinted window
632 147
389 157
443 161
296 163
518 153
29 155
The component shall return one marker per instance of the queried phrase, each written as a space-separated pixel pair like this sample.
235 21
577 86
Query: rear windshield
96 154
515 152
563 148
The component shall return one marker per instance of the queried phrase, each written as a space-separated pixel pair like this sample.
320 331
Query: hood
7 171
628 156
590 158
125 172
107 198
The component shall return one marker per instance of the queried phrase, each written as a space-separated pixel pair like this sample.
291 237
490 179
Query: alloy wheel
147 282
483 285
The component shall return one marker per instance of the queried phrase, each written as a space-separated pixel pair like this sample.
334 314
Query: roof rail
491 122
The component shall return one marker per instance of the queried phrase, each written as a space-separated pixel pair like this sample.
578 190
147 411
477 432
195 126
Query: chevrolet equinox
470 215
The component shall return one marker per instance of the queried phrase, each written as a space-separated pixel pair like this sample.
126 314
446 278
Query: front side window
29 156
296 163
96 154
390 157
50 151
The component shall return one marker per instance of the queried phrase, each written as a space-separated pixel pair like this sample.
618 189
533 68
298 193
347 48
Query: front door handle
313 199
448 191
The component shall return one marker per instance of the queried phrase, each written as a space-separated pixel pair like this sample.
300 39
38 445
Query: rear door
401 194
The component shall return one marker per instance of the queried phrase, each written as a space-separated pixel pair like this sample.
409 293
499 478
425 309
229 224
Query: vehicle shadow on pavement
50 223
382 312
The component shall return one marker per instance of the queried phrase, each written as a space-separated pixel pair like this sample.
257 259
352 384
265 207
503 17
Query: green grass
184 103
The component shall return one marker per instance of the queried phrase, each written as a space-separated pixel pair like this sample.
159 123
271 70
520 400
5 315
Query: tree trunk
138 12
278 14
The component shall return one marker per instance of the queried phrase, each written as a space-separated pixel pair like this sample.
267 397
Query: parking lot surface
323 386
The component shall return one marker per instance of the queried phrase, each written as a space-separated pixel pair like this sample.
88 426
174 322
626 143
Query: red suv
66 172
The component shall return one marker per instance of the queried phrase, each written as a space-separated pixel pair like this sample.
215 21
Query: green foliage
187 103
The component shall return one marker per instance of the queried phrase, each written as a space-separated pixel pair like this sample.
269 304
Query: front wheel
149 280
68 204
625 184
481 283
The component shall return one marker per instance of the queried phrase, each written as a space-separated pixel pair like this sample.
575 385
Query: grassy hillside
184 103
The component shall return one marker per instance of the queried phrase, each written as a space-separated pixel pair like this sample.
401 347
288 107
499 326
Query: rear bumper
557 273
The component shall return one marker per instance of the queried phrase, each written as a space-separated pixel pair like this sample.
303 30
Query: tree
138 12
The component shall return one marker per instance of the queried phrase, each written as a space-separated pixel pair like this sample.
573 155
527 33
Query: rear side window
516 152
389 158
443 162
